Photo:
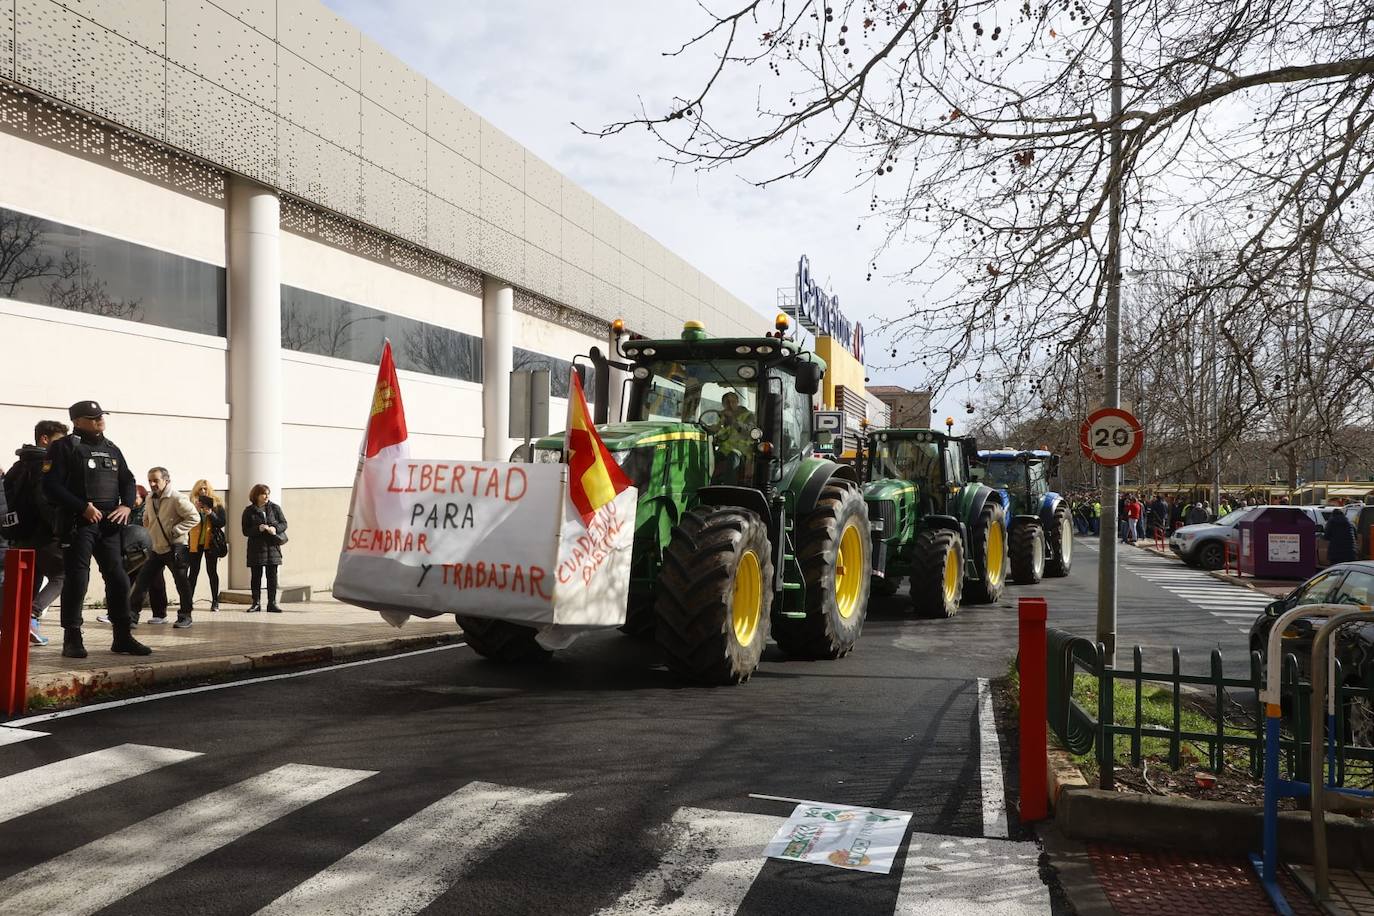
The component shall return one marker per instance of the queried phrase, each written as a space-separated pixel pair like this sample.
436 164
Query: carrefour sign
819 312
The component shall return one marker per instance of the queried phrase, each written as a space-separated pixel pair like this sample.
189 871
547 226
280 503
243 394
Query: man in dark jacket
90 485
33 523
1340 538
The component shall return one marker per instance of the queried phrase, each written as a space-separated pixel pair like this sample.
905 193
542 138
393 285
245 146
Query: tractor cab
1022 476
935 463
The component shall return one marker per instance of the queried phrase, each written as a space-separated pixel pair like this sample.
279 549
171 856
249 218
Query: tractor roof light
693 331
618 327
765 447
781 323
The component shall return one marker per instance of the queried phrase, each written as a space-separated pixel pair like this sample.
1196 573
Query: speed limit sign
1111 436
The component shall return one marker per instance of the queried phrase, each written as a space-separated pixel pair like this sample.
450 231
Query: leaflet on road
858 839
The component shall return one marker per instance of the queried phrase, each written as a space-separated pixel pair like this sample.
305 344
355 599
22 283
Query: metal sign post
529 406
1110 437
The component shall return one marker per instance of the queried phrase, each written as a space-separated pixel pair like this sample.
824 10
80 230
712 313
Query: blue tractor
1041 536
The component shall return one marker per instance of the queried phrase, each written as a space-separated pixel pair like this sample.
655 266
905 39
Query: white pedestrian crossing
10 735
711 862
1231 604
709 859
94 876
411 865
35 789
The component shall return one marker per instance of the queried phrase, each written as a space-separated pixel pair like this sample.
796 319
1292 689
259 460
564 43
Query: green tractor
741 531
1041 524
931 523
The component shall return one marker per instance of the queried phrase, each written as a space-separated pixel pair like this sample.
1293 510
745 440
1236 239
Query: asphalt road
597 784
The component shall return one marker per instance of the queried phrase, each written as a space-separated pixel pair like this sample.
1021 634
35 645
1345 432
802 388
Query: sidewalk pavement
230 641
1102 879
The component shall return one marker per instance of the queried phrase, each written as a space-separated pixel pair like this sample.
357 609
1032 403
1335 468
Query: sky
534 67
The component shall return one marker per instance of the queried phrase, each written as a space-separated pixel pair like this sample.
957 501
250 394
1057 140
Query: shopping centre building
212 213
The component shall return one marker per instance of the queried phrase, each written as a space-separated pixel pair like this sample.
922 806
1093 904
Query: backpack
24 516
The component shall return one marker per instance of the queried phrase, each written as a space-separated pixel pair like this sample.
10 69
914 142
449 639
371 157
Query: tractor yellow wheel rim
744 609
849 571
951 575
997 553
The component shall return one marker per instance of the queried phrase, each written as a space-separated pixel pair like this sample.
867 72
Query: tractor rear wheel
1027 552
1060 538
715 593
834 550
937 573
502 641
988 546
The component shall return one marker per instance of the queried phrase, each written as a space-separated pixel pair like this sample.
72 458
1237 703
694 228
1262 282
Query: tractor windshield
684 392
907 459
1009 475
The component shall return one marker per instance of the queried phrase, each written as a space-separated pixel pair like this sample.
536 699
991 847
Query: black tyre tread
928 572
823 634
1200 554
694 590
1055 564
502 641
979 591
1024 546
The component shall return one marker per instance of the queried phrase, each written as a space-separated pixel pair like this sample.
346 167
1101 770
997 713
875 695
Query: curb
79 686
1221 828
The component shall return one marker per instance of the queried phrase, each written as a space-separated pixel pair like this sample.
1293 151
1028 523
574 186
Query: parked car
1205 545
1344 583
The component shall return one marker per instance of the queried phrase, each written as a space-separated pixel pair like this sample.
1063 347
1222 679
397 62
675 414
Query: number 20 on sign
1111 436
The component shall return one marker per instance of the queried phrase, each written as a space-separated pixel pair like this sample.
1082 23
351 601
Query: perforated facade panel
289 94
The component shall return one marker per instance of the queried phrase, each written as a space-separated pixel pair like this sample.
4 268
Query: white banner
859 839
485 539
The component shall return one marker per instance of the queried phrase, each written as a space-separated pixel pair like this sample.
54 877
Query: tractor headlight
548 456
641 372
747 372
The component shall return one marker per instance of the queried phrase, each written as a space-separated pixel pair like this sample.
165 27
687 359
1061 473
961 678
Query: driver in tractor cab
734 443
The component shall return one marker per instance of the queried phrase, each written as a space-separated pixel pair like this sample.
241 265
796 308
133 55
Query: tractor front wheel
988 545
1061 543
715 593
834 550
937 573
1027 552
502 641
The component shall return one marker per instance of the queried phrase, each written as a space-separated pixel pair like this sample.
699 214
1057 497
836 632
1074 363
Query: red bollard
1032 614
14 631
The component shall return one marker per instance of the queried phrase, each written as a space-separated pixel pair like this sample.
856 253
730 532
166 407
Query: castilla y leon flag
594 479
386 426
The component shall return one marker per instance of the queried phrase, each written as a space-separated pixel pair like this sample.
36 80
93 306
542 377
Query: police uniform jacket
83 468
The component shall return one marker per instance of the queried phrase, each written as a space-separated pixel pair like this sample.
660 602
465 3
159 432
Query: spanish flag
594 479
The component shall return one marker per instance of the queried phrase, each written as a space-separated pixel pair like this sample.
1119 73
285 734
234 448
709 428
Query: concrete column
255 399
498 358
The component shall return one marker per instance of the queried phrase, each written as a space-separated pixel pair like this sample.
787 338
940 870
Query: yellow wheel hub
997 553
849 571
744 609
952 574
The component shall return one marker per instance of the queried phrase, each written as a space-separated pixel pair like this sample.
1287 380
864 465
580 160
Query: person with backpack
31 524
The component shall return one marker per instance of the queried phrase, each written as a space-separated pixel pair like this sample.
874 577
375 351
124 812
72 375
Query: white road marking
411 865
10 735
994 798
711 862
35 789
228 685
947 875
94 876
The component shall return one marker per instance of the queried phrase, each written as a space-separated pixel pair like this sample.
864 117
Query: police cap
88 409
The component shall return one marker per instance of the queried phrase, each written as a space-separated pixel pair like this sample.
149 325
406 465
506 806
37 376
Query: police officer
89 483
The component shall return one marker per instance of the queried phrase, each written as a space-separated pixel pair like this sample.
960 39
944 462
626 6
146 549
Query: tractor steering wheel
710 420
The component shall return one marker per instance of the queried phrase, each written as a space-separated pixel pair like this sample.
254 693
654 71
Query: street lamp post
1106 571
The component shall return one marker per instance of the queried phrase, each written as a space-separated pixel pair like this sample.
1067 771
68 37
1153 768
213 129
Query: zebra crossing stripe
945 875
35 789
15 735
411 865
94 876
712 860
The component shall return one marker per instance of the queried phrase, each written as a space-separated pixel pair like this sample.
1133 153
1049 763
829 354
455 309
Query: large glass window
560 372
48 263
700 390
907 459
314 323
1010 475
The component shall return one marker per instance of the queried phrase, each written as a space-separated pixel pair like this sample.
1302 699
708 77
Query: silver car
1205 545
